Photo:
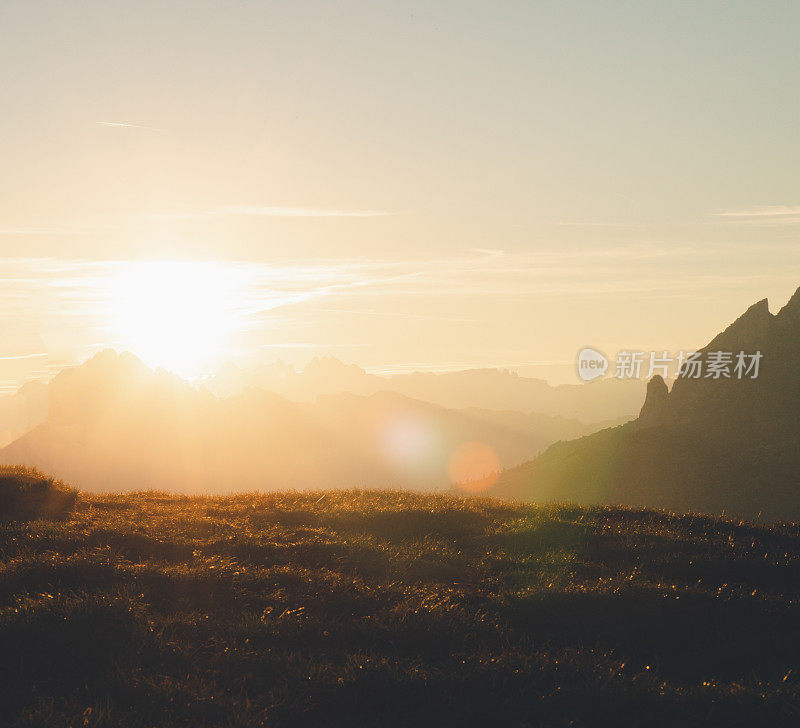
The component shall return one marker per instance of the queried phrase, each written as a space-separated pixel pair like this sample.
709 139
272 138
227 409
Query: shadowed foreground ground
380 609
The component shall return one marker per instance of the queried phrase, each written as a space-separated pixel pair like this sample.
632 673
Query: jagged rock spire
654 407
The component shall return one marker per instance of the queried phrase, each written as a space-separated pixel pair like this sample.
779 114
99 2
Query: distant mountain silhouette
493 389
115 424
22 410
715 445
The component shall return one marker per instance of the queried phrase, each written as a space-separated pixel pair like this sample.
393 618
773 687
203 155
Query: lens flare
474 467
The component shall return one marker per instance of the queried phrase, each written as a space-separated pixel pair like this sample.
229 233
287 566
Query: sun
179 315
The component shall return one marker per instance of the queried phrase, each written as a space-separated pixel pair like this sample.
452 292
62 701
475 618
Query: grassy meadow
366 608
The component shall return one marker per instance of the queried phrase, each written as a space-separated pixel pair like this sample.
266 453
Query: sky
403 185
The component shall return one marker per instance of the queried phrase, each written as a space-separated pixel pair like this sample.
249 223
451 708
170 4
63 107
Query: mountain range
603 400
113 424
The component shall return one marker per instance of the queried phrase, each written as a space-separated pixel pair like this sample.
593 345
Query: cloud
265 211
123 125
60 230
215 213
297 212
312 345
72 292
31 231
70 304
392 314
567 223
23 356
764 213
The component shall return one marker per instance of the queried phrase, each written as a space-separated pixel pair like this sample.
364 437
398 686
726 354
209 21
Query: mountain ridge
115 424
715 445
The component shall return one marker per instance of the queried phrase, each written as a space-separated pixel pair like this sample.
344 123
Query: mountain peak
752 326
654 403
791 311
329 365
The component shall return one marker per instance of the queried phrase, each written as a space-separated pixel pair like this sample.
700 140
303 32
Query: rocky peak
655 403
791 311
752 326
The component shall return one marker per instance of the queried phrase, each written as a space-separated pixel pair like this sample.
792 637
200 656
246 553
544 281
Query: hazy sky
436 184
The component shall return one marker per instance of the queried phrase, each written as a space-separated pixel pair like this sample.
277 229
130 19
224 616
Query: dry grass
27 494
365 608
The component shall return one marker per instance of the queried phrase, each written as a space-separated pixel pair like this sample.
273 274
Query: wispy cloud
529 272
23 356
265 211
32 231
568 223
214 213
763 211
297 212
124 125
312 345
392 314
75 303
65 229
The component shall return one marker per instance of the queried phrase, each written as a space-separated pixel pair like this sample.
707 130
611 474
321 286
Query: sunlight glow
176 315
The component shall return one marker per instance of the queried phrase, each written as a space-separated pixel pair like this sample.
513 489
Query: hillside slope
359 608
712 445
22 410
